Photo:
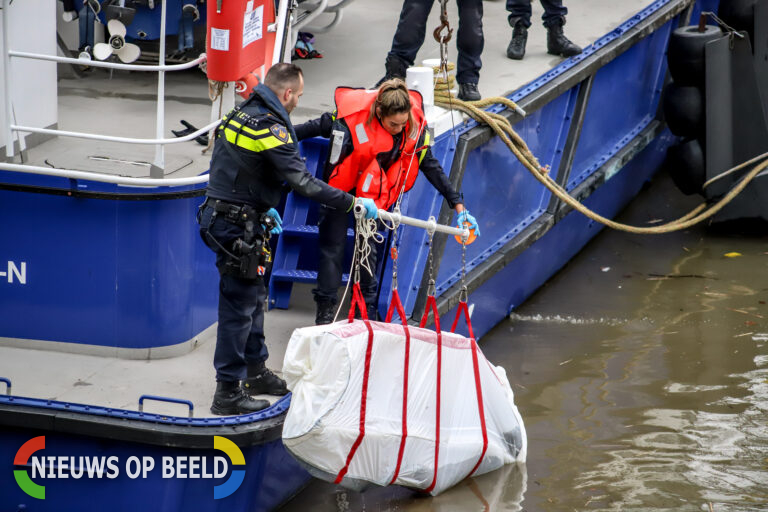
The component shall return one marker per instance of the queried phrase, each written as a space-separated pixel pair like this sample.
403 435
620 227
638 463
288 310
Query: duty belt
235 213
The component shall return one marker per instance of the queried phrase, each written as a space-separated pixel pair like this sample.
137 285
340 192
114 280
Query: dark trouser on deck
240 333
332 242
521 9
412 27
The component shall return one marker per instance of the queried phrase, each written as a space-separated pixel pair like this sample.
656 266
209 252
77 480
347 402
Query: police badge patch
280 132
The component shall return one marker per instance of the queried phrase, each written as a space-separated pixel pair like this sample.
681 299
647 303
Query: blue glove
278 228
371 212
464 216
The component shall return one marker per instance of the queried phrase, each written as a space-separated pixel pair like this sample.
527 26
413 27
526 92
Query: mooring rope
503 128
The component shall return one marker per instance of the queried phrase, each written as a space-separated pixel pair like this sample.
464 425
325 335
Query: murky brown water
641 371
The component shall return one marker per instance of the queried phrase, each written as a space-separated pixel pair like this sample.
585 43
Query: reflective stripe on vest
250 139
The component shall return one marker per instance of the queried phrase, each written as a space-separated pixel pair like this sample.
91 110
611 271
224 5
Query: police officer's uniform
255 156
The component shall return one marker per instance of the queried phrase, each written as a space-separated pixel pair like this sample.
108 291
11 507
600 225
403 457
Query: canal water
641 372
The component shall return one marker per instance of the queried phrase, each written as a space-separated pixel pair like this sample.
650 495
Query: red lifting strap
397 304
357 300
432 306
478 388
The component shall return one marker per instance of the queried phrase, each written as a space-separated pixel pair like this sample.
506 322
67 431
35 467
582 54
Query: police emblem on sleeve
280 132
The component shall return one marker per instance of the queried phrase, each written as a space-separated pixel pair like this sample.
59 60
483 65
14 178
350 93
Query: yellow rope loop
436 69
444 86
444 82
215 89
515 143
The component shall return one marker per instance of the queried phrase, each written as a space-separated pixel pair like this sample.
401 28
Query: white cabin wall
33 82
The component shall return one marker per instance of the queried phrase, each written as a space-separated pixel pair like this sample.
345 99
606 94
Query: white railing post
7 83
158 167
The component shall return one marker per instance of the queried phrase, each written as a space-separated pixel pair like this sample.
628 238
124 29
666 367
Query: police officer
254 156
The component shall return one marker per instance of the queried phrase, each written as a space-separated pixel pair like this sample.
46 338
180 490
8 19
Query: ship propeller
126 52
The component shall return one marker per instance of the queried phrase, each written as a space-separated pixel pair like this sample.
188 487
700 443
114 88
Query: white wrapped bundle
347 421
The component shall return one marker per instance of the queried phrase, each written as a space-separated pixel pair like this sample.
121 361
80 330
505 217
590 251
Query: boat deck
123 103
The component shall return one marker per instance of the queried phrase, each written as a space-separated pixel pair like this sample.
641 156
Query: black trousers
521 9
240 332
332 242
412 27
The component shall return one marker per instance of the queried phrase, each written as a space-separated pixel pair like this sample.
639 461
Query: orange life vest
360 170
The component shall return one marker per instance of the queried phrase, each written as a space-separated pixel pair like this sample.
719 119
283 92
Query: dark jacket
256 154
324 125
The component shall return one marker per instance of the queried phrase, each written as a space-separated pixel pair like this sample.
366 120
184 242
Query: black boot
261 381
557 43
326 310
230 399
468 92
516 48
395 68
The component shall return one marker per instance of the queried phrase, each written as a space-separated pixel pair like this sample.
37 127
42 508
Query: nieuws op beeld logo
134 467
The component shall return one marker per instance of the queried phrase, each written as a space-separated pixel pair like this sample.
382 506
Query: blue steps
300 276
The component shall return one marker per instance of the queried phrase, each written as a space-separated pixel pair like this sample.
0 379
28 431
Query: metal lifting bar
430 225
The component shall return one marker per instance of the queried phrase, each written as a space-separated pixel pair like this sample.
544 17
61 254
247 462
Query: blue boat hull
103 265
76 433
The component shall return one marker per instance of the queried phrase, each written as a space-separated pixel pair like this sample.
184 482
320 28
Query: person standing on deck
409 37
554 19
254 156
379 142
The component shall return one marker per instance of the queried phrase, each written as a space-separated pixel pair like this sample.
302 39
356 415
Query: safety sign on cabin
252 24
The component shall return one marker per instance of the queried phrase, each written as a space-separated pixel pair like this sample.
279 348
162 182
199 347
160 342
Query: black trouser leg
411 30
240 333
332 242
469 41
519 10
554 11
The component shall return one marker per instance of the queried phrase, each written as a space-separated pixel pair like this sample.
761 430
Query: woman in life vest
378 145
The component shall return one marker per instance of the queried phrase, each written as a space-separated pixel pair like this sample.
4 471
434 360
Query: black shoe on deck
468 92
516 47
558 44
326 310
261 381
230 400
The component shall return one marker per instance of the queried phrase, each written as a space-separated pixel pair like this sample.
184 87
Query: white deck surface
123 104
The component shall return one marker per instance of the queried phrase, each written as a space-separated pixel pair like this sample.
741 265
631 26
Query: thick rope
215 89
365 229
502 127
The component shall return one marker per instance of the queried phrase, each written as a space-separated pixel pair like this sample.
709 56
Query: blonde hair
393 98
